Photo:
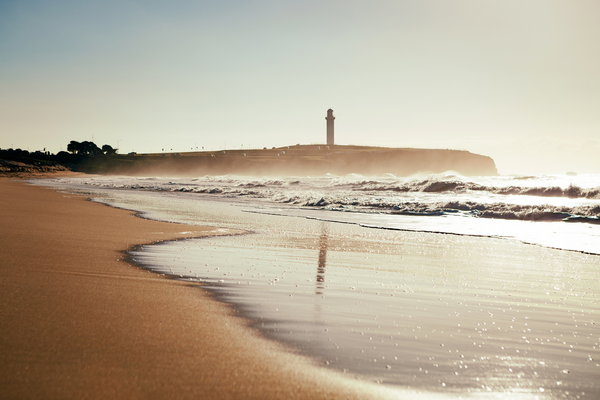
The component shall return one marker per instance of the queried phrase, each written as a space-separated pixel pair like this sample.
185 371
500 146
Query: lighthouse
330 119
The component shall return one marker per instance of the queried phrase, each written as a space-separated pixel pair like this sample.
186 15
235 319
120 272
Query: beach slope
79 322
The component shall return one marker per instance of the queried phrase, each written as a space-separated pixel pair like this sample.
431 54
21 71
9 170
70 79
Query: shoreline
79 322
393 307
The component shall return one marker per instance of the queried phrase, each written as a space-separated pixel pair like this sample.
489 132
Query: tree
90 148
84 148
108 150
74 147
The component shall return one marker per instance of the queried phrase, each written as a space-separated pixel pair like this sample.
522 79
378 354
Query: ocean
433 284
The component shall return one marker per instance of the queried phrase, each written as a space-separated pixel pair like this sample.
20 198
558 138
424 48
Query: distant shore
313 160
78 322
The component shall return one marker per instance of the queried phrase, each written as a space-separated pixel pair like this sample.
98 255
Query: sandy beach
80 322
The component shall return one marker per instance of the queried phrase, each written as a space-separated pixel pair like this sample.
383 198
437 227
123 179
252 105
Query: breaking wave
440 186
543 212
527 198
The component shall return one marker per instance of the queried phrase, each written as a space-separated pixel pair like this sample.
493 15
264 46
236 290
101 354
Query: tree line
90 148
81 156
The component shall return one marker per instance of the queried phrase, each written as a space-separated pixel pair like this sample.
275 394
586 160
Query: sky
516 80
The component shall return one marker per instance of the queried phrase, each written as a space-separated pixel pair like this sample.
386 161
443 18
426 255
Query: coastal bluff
298 160
311 160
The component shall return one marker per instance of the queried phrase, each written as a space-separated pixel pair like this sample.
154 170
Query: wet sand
79 322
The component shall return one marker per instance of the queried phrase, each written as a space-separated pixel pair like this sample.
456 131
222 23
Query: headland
312 160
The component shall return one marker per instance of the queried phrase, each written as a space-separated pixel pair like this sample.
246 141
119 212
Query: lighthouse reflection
322 264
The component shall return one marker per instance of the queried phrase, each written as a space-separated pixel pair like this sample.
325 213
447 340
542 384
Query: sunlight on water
577 237
428 312
532 209
451 315
423 311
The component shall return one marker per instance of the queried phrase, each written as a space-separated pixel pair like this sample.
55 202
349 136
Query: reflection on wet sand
321 266
445 314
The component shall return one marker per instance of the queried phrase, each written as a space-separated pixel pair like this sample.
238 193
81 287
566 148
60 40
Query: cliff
299 160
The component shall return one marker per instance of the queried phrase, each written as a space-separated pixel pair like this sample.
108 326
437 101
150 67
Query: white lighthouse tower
330 119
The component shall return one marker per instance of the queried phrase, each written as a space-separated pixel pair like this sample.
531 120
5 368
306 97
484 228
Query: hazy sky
516 80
